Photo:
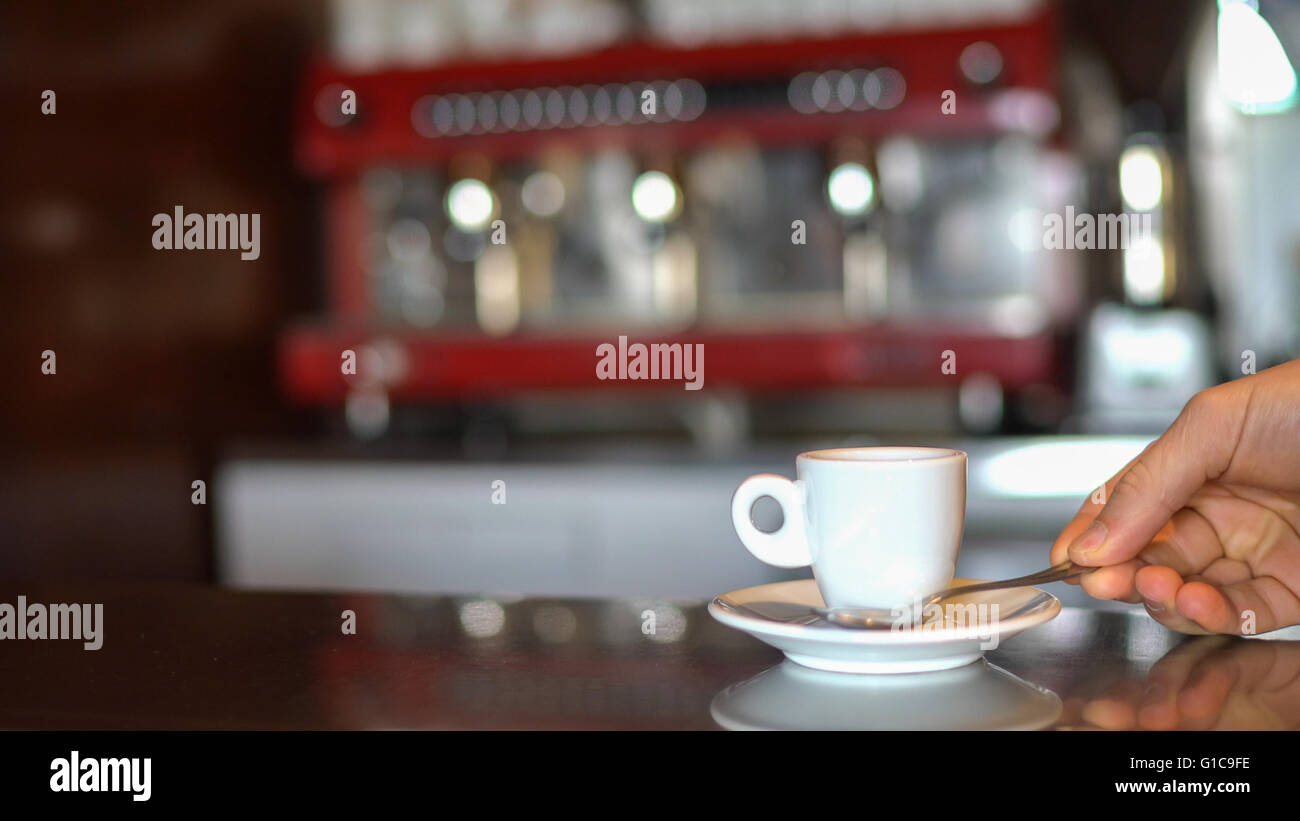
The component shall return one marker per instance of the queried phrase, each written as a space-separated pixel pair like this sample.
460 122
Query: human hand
1204 525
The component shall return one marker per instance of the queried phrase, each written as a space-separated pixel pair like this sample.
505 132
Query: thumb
1196 448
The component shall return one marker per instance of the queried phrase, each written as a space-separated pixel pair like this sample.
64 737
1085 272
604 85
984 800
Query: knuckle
1142 486
1210 406
1198 408
1137 480
1211 425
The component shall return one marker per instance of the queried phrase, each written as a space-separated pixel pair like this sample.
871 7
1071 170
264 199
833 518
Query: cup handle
786 547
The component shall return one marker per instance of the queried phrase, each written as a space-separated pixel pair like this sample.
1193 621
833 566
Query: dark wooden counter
192 657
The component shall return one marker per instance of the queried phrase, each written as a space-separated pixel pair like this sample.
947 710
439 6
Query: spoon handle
1057 573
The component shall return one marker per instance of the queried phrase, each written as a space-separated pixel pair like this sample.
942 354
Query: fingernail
1089 541
1153 692
1154 606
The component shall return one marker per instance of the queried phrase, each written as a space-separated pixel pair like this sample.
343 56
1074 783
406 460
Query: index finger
1092 505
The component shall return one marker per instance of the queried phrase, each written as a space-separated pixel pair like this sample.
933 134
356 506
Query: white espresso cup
879 526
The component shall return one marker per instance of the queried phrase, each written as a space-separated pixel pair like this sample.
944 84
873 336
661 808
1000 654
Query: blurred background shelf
615 520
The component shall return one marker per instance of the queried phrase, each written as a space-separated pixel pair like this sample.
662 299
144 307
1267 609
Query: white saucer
772 613
977 696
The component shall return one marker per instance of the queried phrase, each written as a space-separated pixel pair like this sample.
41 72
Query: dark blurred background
476 361
161 357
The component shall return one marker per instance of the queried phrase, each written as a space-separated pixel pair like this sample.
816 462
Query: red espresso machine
821 213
